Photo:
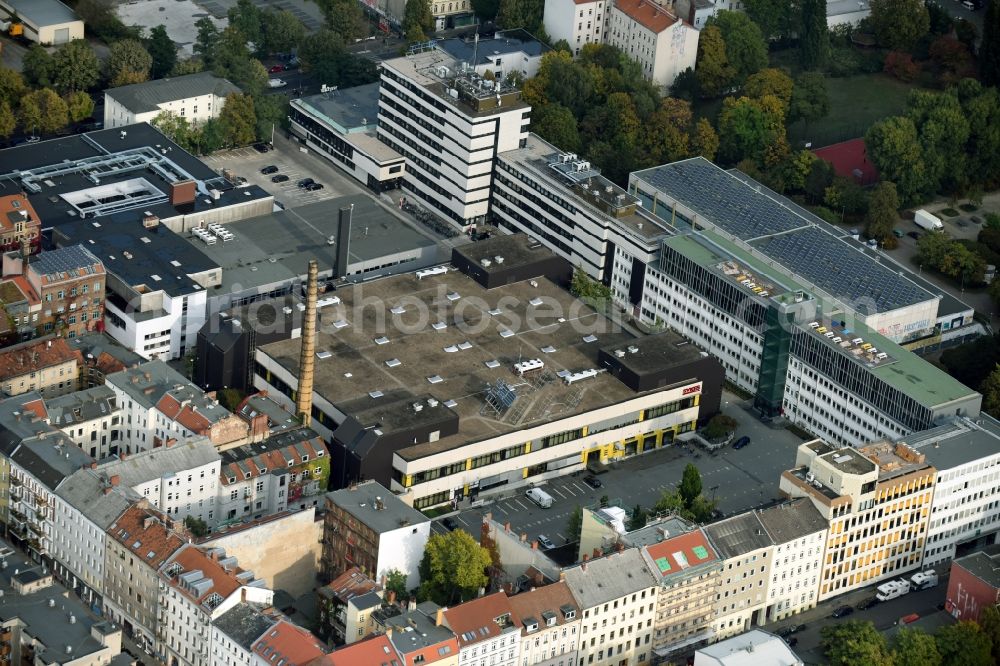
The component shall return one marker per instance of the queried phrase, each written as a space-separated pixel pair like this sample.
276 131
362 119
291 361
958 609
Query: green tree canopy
894 148
814 40
43 111
719 426
453 568
232 60
525 14
206 41
557 124
162 50
574 524
991 401
964 644
283 32
775 18
713 71
128 62
12 86
75 66
487 10
854 643
819 178
770 81
636 519
705 141
197 526
395 581
238 120
8 121
344 17
745 45
418 22
80 105
690 486
913 647
246 17
883 207
899 24
748 127
810 100
271 112
38 66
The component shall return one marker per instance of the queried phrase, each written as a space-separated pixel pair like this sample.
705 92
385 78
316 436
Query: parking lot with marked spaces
737 479
291 162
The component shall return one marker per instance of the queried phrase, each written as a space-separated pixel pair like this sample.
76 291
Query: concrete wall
284 551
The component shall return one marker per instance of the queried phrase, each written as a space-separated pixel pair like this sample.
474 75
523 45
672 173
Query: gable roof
35 355
541 603
482 619
289 645
607 578
679 554
649 15
144 531
149 95
738 535
374 651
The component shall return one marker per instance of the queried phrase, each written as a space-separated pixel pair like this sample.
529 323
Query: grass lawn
856 103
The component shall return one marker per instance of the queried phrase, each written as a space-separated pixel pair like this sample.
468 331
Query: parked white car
276 83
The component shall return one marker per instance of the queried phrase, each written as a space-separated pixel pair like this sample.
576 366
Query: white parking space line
523 507
462 520
583 489
560 536
556 491
567 488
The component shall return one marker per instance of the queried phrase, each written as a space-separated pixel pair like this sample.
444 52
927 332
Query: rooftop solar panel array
791 236
67 260
841 270
724 200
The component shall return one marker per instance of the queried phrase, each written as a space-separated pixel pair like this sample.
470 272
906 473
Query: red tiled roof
651 16
268 461
146 527
476 620
548 598
351 583
288 644
7 207
31 356
37 407
681 552
224 582
26 289
183 414
374 651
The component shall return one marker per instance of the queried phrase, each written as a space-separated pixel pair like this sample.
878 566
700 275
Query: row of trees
858 643
243 120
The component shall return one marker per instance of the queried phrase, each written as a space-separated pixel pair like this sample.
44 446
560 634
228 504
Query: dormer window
531 627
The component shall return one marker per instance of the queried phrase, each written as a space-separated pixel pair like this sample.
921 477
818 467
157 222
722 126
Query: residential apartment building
288 645
654 36
139 543
688 573
286 471
198 587
617 595
345 607
235 632
161 405
193 97
47 365
748 559
376 650
877 500
68 282
550 622
965 510
974 584
180 480
87 503
799 534
368 527
489 633
579 22
419 635
92 418
449 125
19 223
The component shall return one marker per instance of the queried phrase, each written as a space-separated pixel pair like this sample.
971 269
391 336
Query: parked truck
925 220
892 590
924 580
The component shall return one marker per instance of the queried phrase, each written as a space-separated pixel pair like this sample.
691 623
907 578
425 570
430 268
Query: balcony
17 515
36 545
15 482
42 502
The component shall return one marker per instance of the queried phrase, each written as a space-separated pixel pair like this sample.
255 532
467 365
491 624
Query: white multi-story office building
799 534
965 510
654 36
450 124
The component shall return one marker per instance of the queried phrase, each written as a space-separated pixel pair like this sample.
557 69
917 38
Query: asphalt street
738 480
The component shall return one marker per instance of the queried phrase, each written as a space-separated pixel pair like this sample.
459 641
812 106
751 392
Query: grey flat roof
958 442
349 108
786 234
984 565
294 236
42 13
79 406
792 520
504 42
416 629
52 459
359 501
161 462
654 353
84 490
148 95
244 623
605 578
738 535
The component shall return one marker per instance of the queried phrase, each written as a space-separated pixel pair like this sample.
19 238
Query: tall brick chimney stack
307 358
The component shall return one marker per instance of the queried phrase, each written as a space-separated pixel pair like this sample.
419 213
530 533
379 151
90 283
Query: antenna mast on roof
475 51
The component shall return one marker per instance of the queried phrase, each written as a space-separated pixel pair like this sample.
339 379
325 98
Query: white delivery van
924 580
892 590
925 220
540 497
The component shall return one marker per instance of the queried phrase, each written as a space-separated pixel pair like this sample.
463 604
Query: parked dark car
843 611
741 442
867 603
915 235
592 481
450 524
262 147
305 182
791 629
268 170
312 187
792 642
280 178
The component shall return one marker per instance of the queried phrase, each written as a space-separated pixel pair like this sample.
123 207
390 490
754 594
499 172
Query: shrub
901 66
